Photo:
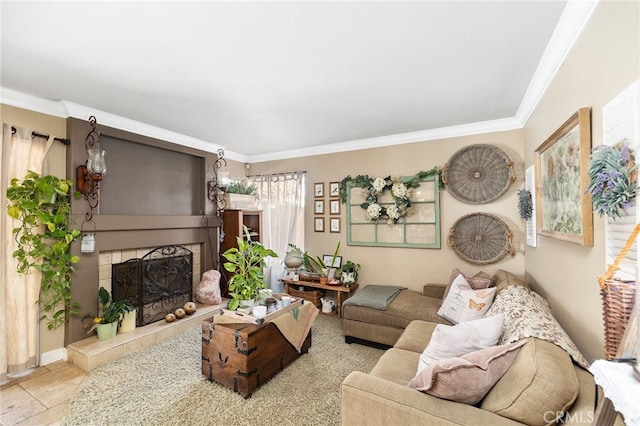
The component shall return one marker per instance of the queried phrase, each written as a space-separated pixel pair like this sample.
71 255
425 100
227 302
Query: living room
603 62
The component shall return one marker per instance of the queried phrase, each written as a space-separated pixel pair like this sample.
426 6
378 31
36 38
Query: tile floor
41 397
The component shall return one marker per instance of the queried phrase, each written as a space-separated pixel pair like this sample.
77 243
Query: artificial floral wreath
525 204
612 178
400 189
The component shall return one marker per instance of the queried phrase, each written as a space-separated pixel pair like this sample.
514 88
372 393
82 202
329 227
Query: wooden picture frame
318 224
563 206
334 224
334 189
318 206
318 189
334 206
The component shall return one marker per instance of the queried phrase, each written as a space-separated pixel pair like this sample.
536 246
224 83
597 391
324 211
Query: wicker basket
312 296
618 298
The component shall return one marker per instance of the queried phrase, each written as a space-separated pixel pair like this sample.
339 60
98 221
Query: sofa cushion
397 366
408 305
469 377
463 303
540 380
416 336
453 341
503 279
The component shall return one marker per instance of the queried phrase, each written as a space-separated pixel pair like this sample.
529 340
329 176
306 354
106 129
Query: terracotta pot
324 280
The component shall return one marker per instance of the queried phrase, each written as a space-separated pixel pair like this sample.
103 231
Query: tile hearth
91 353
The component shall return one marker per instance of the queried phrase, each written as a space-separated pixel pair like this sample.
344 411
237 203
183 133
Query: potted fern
42 206
247 263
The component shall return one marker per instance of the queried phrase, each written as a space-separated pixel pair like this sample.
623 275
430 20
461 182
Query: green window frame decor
413 216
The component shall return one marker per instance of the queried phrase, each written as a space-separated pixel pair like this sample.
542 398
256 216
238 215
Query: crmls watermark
560 417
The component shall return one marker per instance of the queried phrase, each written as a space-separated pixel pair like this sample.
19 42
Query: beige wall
408 267
55 165
603 62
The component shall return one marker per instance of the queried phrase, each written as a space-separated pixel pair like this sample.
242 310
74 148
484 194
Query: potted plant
241 194
42 202
349 273
112 315
246 262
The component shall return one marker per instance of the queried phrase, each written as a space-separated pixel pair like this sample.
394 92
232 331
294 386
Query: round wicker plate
478 174
480 238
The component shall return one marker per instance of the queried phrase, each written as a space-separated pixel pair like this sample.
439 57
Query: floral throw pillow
527 314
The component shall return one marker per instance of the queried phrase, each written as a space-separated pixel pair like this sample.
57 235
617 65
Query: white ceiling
268 80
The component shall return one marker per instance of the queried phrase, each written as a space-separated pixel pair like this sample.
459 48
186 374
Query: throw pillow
463 303
468 378
449 341
478 281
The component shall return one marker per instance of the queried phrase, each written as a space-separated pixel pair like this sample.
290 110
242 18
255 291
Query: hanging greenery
42 206
612 179
525 204
399 187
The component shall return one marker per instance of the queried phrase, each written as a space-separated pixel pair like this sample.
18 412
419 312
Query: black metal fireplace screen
156 284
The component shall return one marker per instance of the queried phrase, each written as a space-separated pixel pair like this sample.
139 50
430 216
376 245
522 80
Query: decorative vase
293 259
348 278
128 322
107 331
331 274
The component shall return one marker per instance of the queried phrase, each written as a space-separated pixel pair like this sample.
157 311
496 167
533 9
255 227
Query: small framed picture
318 224
334 189
337 262
334 206
318 189
334 224
318 207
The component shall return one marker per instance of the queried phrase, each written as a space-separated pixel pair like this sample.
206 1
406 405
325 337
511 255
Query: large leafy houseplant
246 262
42 205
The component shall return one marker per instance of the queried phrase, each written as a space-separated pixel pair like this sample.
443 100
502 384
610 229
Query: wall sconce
217 185
88 176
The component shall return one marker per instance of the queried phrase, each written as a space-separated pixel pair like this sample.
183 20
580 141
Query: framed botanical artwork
334 189
337 262
318 206
318 189
318 224
334 206
563 206
334 224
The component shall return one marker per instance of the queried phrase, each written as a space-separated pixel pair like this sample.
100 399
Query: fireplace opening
157 283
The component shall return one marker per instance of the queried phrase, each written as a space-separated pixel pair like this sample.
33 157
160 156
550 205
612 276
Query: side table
343 292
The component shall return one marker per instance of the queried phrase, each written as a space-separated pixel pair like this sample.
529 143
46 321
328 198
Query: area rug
163 385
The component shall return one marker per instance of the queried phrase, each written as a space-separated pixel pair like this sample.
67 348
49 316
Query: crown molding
492 126
574 18
32 103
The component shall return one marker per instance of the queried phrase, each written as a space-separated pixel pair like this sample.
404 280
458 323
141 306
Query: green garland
399 188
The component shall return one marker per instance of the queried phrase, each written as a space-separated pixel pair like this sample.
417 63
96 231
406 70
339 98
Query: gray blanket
374 296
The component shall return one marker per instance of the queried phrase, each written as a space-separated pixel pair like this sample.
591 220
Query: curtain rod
40 135
279 173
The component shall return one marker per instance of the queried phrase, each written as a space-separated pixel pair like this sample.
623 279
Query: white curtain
19 322
282 203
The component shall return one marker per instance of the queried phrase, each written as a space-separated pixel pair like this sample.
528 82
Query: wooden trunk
243 356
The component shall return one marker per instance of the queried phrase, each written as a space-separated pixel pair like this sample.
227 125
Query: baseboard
50 357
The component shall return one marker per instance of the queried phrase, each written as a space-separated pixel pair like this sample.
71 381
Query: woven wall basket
478 174
480 238
618 298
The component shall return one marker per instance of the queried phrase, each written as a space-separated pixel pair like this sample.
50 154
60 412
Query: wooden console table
343 292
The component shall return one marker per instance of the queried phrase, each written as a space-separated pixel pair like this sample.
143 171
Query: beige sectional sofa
541 386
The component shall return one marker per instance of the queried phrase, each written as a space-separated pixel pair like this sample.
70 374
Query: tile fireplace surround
91 353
